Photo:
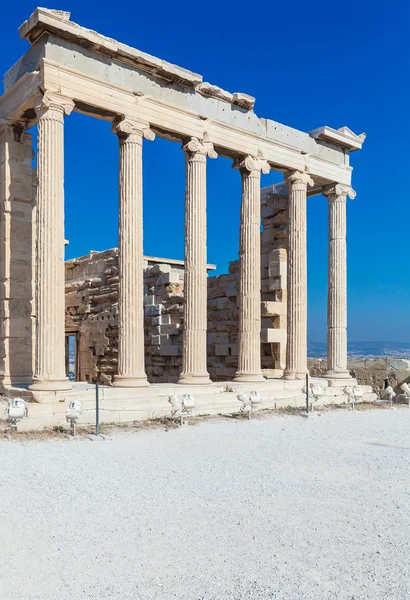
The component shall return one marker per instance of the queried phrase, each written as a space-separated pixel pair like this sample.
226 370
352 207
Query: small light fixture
317 391
255 399
249 403
73 414
348 391
406 389
244 400
176 404
188 403
182 407
15 411
389 394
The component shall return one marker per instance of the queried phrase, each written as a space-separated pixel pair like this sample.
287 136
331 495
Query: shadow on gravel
387 446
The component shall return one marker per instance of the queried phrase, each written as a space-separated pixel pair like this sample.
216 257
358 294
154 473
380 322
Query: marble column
49 370
337 282
131 350
194 358
249 341
296 347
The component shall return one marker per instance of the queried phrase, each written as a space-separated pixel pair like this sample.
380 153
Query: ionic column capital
299 177
53 101
252 164
196 146
338 191
126 128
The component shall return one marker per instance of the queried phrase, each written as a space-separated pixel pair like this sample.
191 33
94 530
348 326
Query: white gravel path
279 508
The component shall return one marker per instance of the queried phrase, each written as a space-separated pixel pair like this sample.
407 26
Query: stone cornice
339 190
195 146
127 127
251 163
232 140
53 101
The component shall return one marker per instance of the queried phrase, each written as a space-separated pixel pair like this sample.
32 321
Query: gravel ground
278 508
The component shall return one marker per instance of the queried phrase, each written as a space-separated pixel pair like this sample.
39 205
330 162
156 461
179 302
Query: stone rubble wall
92 304
91 310
370 371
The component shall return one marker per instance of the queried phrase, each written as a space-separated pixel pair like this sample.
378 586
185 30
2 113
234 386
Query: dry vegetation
60 432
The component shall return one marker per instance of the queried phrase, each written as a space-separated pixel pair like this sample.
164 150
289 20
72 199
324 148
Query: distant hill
369 349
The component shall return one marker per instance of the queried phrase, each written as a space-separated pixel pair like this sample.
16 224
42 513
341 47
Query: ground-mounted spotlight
348 391
15 411
249 402
182 407
317 391
244 400
358 393
176 405
255 399
188 403
389 394
406 390
353 393
73 414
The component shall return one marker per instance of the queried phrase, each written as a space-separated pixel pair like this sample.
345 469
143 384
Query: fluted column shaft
131 349
249 340
50 363
337 282
296 348
194 356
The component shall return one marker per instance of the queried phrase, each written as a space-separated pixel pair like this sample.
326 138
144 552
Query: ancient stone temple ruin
151 327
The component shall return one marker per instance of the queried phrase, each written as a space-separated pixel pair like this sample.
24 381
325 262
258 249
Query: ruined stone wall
91 313
92 303
223 301
370 371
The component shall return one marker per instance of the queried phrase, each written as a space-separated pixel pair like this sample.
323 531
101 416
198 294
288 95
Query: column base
191 379
337 374
294 375
50 385
243 377
128 381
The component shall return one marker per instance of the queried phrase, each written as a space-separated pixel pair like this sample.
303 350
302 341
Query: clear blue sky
308 64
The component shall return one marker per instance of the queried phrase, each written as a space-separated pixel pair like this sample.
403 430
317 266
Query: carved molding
127 127
196 146
276 152
337 190
300 177
251 163
53 101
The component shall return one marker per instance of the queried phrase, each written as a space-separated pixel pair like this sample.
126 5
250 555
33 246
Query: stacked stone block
274 243
92 311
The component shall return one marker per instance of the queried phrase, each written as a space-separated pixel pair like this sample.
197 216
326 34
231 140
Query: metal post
307 394
97 411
